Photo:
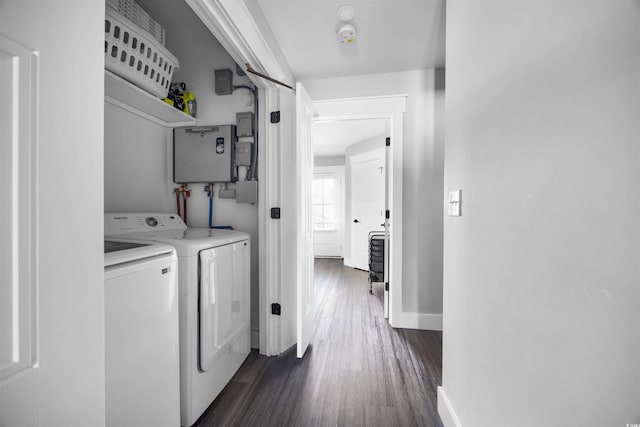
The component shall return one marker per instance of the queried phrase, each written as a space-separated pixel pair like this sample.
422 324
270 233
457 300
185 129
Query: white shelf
124 94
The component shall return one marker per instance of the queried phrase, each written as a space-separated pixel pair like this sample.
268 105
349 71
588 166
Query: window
324 199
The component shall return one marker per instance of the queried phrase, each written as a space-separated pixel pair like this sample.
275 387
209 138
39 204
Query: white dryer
214 294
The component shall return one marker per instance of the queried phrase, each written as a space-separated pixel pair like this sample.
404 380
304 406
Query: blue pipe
210 211
218 227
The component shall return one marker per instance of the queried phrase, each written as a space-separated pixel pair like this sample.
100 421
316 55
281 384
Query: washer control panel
125 223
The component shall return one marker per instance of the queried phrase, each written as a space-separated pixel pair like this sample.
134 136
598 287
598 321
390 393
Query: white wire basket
136 14
136 55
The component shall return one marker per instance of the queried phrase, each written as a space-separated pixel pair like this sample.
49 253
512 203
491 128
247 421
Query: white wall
422 176
137 157
138 153
541 271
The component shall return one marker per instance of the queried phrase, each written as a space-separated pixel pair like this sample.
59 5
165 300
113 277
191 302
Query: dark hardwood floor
358 372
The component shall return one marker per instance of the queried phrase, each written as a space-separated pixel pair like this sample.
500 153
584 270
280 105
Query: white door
367 202
51 261
304 232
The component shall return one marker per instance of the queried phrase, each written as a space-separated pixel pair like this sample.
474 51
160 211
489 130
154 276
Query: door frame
233 25
390 107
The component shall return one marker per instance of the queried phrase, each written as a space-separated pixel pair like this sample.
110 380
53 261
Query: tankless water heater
204 154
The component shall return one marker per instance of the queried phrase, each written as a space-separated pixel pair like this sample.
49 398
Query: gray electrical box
223 82
244 121
247 192
243 153
204 154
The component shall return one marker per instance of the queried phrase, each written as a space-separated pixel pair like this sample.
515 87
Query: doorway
391 109
349 187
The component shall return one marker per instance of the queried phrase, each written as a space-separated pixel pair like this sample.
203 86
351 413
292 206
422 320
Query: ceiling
392 35
332 138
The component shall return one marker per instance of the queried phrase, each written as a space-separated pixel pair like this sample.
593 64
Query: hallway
358 372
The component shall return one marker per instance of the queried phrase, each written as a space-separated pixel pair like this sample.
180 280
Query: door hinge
275 213
276 309
275 117
386 286
388 141
387 214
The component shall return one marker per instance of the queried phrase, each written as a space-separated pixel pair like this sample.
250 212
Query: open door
368 202
387 227
304 228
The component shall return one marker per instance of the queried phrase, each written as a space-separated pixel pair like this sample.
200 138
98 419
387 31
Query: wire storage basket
135 55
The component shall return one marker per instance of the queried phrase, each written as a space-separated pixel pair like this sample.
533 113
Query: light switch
455 203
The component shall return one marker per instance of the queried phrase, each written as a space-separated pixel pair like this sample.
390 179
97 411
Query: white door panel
304 235
19 373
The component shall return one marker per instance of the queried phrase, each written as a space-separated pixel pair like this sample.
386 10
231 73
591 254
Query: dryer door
224 300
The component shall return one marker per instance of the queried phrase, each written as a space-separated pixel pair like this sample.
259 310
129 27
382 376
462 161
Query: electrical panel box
204 154
244 121
223 82
243 153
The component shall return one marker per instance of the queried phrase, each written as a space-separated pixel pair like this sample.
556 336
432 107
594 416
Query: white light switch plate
455 202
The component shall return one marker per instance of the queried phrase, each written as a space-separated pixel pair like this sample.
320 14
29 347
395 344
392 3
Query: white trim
424 321
393 108
445 410
269 231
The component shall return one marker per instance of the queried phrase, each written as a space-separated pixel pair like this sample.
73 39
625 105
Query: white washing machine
142 365
214 283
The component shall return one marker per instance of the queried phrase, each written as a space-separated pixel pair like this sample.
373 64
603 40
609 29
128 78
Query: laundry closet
139 140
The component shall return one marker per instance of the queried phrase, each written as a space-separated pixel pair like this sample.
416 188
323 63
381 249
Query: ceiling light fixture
347 34
346 13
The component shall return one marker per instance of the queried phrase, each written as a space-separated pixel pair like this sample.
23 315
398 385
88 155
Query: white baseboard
424 321
255 339
445 410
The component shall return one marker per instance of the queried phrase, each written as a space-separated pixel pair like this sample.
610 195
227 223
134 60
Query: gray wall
422 174
541 272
